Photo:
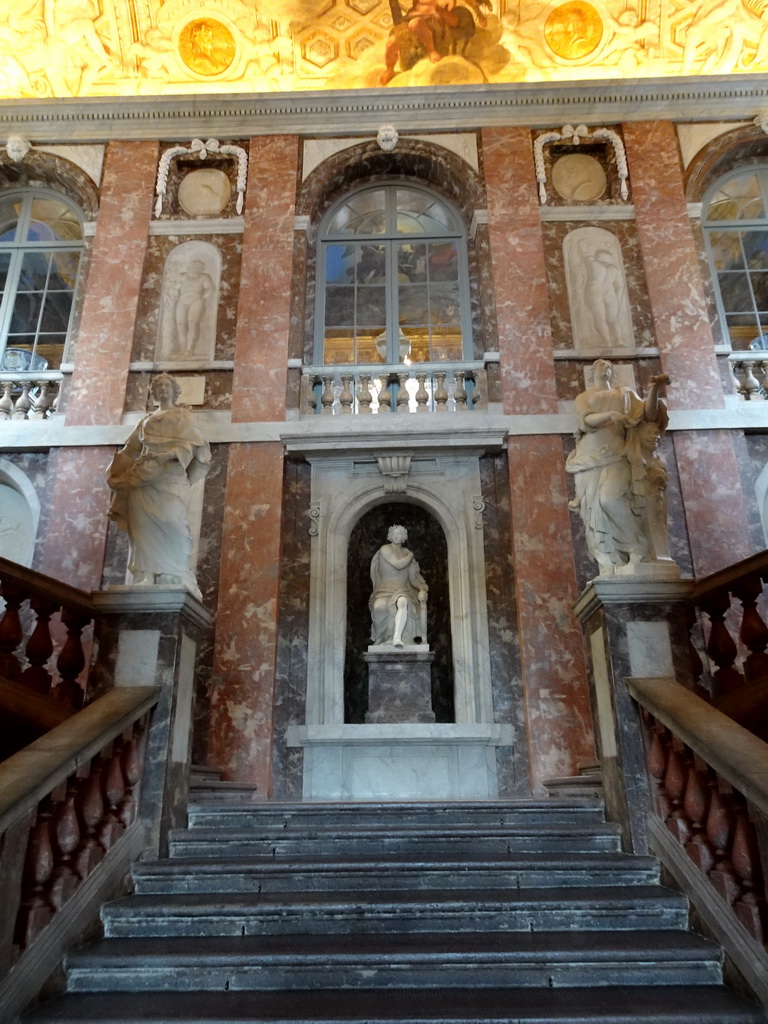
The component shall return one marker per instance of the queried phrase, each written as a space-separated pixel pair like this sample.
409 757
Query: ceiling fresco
175 47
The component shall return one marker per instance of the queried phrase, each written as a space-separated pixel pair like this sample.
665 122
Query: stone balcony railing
750 374
29 396
399 389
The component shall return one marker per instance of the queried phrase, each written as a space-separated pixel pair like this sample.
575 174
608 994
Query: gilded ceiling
181 47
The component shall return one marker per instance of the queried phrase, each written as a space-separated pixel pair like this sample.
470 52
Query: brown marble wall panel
97 391
678 303
293 631
487 332
715 507
569 374
264 306
243 681
504 642
554 669
218 390
158 250
554 235
519 272
72 548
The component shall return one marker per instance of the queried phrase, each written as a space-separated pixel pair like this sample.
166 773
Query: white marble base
400 762
662 569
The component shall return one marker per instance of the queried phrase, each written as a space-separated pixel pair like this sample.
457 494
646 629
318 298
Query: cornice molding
99 119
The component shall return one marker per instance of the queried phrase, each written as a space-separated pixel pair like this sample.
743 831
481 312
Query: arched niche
189 301
19 514
597 291
427 541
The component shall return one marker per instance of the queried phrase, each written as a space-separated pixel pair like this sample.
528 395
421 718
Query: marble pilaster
103 351
243 686
708 466
554 672
264 307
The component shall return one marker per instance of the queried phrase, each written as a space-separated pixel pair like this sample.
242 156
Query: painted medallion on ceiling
177 47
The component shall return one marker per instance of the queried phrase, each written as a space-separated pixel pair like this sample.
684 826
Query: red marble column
707 463
246 636
263 311
246 619
105 338
554 670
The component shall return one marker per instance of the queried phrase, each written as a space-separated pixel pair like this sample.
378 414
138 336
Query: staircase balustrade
44 631
25 396
398 389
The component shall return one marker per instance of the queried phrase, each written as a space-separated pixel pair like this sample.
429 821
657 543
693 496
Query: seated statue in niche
620 479
152 478
398 604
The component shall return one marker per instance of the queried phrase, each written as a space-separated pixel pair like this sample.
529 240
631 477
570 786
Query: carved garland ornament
575 137
201 149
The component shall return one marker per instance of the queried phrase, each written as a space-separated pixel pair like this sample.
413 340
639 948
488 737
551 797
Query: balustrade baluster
364 396
460 393
90 804
65 841
720 646
753 633
327 397
441 395
480 393
697 665
749 906
6 401
310 397
720 832
403 398
750 386
39 647
675 779
35 911
11 631
131 764
71 660
23 402
41 403
113 789
422 395
385 396
657 763
346 398
696 804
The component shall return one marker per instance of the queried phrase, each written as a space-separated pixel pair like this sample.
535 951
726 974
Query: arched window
735 221
393 283
41 239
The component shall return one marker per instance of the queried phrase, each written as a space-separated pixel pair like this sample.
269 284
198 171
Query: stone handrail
396 388
29 395
711 782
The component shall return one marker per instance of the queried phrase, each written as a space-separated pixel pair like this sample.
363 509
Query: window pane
412 262
56 309
64 271
443 261
339 263
371 306
726 250
49 351
10 208
18 356
340 306
421 214
339 347
34 272
5 262
371 263
734 291
445 303
759 282
446 343
53 221
739 199
364 214
372 345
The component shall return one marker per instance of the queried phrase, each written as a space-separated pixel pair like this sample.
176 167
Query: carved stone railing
71 825
43 627
711 796
730 606
29 396
383 390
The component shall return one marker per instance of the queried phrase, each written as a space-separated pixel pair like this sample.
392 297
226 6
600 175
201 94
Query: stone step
361 874
606 908
418 840
626 1004
495 814
437 960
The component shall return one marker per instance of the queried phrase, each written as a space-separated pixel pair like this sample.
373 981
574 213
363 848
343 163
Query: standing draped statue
151 478
398 604
620 479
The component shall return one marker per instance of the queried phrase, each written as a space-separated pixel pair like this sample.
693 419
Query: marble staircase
492 912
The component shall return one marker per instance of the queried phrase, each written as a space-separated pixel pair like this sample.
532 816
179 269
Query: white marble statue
398 603
151 478
597 291
188 303
620 480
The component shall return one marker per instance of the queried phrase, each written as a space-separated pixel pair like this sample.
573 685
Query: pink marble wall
103 352
74 541
263 314
243 683
715 513
554 670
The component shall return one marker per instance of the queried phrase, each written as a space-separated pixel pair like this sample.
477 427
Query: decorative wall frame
575 136
201 149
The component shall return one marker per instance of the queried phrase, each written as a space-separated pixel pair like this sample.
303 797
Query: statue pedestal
399 684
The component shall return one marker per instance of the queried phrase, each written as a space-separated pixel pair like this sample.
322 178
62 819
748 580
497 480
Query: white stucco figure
398 604
189 302
620 480
597 291
151 478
